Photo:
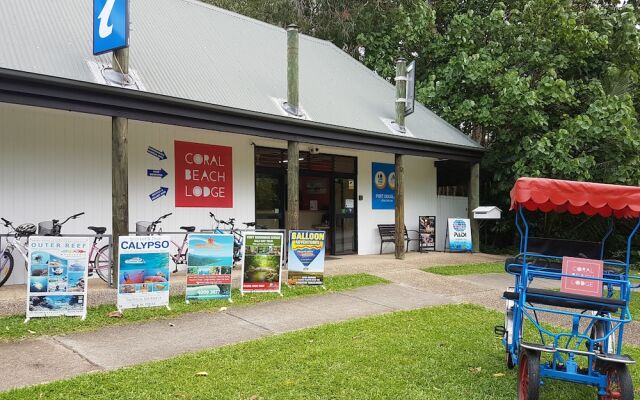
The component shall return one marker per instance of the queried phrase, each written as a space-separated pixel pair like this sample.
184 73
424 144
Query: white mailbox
487 212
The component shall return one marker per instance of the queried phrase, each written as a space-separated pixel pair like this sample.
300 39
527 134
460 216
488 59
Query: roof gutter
32 89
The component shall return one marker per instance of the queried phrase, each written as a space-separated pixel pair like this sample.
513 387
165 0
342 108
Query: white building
204 76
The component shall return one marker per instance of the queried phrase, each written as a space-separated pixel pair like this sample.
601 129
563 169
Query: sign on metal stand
110 25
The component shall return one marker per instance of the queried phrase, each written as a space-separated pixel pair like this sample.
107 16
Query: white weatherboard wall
53 164
57 163
420 199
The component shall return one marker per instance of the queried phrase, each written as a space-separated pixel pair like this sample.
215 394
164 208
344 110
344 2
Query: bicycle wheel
6 267
102 264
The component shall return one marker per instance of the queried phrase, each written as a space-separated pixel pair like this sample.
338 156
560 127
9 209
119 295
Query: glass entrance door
270 200
344 216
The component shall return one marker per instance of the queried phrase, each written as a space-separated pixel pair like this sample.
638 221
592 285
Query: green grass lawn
13 328
466 269
447 352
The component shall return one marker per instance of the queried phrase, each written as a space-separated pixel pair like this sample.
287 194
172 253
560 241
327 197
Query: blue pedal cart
593 301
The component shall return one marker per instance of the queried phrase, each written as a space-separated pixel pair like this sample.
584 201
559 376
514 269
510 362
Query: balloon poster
209 264
261 261
143 278
58 268
306 257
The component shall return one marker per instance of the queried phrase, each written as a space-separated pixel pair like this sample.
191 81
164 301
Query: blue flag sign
158 173
110 25
159 193
383 196
160 155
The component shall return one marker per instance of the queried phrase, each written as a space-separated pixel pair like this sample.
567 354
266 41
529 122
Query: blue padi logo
459 225
110 25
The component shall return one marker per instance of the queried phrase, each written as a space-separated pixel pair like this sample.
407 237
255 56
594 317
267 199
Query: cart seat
568 300
188 228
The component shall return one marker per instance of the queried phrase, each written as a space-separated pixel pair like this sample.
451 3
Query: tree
549 86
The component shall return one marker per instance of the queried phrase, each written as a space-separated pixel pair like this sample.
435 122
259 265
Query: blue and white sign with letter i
110 25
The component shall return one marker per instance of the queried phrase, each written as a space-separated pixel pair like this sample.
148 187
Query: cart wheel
619 386
529 375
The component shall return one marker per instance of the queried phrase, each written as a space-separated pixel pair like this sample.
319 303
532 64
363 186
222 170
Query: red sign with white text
204 175
582 267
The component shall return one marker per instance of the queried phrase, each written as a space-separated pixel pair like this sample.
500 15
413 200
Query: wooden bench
388 235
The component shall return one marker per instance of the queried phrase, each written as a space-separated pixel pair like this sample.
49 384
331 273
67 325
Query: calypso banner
57 268
143 278
209 264
261 261
459 232
306 257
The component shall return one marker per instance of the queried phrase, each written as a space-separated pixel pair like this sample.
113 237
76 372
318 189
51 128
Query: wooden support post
293 186
293 101
474 202
119 167
400 243
401 92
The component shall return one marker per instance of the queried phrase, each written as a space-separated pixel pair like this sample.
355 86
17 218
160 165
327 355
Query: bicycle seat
249 223
99 230
188 228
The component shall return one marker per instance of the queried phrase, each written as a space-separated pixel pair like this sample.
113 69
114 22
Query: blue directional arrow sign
160 155
159 193
157 173
110 25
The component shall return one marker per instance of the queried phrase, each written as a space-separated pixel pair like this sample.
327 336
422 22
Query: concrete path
46 359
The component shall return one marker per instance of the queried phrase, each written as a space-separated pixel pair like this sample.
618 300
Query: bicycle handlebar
6 222
55 221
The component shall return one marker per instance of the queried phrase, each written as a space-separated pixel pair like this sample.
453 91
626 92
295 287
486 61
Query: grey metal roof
191 50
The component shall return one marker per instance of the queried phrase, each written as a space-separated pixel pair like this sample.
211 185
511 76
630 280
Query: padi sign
110 25
459 234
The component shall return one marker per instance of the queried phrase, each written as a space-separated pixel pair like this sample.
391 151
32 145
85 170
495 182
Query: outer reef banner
143 279
57 271
306 257
209 264
261 261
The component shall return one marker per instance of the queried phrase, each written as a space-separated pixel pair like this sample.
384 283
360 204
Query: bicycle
100 263
15 242
180 257
100 260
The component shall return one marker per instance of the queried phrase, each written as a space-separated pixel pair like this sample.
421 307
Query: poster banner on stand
306 257
143 278
459 232
427 232
383 196
57 270
209 264
261 261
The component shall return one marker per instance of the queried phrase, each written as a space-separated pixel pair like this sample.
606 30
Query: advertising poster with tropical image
306 258
209 264
261 262
143 278
58 269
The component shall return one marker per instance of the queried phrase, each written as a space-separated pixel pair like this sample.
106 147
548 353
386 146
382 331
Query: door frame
281 174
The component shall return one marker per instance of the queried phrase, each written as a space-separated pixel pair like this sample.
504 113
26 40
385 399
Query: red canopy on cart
576 197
